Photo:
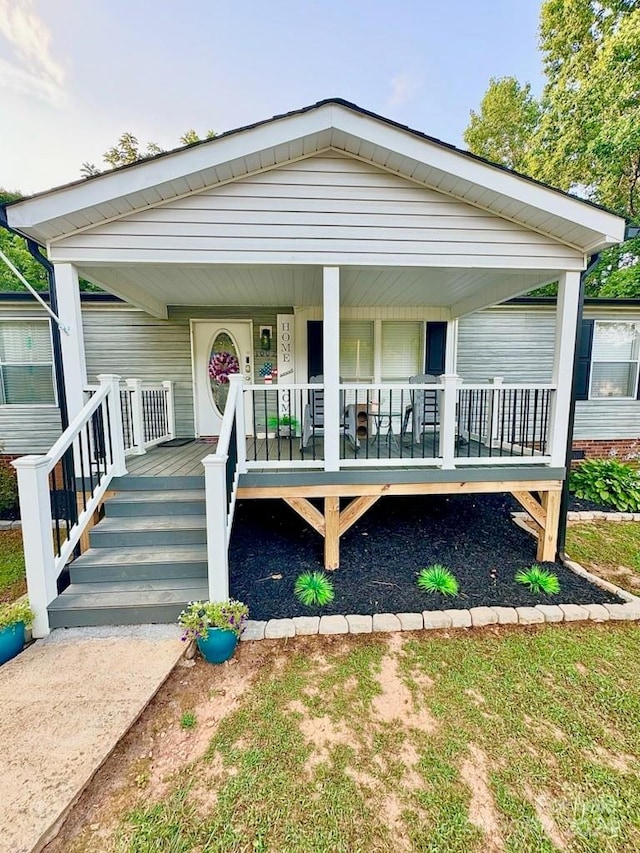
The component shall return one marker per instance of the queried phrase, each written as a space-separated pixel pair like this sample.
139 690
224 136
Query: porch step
127 603
147 560
154 503
131 483
142 531
99 565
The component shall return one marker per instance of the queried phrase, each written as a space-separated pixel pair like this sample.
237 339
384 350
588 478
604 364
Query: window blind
401 350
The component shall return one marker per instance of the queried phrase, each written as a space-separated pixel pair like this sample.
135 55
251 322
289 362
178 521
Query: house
280 286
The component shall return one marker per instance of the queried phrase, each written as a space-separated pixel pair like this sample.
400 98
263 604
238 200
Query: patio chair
313 419
423 409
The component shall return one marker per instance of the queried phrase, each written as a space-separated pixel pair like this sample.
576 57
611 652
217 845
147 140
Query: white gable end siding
325 209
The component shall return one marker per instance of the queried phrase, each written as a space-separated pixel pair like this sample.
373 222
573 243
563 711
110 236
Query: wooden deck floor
186 461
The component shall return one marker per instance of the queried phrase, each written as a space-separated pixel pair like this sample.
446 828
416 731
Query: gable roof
329 124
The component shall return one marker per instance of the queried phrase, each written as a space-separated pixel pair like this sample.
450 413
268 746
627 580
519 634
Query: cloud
33 70
403 88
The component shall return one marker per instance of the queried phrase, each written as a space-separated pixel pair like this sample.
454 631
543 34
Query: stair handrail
91 453
221 474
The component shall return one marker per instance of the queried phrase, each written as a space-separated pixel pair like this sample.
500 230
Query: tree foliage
502 129
128 150
16 250
584 134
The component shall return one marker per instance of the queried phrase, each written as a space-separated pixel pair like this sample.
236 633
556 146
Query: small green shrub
437 578
314 588
188 720
8 487
607 481
16 611
539 580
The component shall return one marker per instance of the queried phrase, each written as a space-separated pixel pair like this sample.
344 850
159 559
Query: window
26 365
402 348
356 351
614 361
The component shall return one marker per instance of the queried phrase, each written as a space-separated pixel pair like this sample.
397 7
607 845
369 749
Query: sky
75 74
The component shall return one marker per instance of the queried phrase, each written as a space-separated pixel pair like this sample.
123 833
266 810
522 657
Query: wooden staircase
147 560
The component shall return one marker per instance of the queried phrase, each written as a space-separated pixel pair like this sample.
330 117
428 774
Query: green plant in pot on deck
283 424
215 626
14 618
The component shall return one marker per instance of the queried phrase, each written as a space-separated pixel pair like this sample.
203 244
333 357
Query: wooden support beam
531 505
332 533
356 510
307 511
348 490
548 539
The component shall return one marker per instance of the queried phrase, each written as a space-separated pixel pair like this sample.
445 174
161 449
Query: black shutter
585 347
315 354
436 348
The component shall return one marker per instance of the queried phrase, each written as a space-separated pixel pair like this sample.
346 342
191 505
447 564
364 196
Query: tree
586 138
503 129
15 249
127 150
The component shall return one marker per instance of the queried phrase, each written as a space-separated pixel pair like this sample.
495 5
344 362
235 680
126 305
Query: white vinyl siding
402 350
329 209
356 351
614 360
26 363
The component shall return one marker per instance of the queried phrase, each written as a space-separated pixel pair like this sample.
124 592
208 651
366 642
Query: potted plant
284 425
215 626
14 618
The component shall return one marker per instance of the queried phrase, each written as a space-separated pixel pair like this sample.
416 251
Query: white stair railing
60 491
221 472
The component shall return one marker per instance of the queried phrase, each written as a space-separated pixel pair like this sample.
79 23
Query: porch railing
60 491
221 472
447 424
147 414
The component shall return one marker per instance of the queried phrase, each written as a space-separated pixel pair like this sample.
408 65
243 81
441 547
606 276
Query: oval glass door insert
223 360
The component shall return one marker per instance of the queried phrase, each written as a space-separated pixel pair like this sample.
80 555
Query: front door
219 347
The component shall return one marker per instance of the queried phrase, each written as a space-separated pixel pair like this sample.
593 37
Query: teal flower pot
218 646
11 641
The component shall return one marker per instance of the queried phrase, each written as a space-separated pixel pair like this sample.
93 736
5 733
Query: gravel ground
380 556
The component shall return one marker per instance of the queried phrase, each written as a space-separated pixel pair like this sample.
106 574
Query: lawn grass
487 741
12 577
610 549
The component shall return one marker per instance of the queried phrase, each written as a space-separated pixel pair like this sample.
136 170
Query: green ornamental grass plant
539 580
438 578
314 588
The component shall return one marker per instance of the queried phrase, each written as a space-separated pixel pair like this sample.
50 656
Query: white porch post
237 380
137 415
448 419
215 482
37 537
170 404
71 337
565 341
112 381
331 356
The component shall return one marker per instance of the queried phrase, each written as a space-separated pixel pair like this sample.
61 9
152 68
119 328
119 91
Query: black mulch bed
581 505
381 554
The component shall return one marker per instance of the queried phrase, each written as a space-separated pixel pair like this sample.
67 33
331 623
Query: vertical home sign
285 338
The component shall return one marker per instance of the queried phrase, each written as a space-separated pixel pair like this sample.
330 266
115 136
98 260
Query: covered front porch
335 249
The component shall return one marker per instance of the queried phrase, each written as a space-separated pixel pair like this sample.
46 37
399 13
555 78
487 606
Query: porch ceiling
155 286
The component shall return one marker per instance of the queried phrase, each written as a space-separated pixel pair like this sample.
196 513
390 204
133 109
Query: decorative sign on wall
285 344
285 348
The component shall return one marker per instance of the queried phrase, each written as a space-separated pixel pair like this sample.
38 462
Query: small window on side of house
26 363
615 360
